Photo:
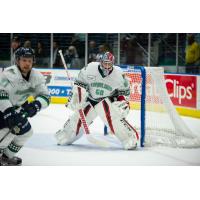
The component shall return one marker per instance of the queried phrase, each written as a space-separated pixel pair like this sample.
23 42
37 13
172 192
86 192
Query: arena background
168 50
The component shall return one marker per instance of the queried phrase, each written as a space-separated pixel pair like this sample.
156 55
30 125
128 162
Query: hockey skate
5 161
133 148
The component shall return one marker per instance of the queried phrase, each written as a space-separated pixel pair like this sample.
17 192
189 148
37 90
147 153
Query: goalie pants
73 130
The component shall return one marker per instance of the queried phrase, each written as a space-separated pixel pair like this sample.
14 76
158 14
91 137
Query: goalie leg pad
78 98
72 129
120 127
68 135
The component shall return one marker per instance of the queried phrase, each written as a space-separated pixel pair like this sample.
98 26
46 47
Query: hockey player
17 83
104 92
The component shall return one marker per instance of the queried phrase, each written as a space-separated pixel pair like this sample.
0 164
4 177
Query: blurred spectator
92 51
15 44
100 53
133 52
78 41
102 49
106 47
71 58
56 55
192 55
39 54
27 44
79 45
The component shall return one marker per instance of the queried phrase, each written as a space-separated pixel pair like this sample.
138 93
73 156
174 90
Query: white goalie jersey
99 86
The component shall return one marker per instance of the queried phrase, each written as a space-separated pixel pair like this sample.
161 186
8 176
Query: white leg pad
72 129
119 127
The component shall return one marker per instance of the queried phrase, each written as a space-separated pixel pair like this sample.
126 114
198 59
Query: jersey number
99 92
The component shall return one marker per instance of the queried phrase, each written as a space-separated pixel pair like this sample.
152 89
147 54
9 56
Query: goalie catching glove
77 99
121 106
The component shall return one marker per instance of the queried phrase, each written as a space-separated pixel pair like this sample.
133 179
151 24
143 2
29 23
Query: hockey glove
15 121
121 106
32 108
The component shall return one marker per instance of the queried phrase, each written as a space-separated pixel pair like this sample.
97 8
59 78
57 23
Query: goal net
154 115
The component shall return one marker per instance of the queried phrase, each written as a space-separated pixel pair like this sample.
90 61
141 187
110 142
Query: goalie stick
81 113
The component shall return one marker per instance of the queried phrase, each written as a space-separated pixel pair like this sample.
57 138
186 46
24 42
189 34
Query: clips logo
182 90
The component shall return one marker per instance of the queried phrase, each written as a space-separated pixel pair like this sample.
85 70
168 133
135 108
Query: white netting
163 125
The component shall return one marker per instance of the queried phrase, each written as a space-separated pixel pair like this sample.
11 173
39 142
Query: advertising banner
182 89
198 92
57 81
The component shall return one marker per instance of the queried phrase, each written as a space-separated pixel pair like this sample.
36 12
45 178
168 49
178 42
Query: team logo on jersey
91 77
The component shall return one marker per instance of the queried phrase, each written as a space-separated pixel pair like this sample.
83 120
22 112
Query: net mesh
163 125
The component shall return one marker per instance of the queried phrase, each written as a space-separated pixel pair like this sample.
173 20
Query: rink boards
184 90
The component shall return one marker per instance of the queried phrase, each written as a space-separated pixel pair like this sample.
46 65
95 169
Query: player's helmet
108 58
107 61
24 52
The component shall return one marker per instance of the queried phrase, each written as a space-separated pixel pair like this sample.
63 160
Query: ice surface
42 149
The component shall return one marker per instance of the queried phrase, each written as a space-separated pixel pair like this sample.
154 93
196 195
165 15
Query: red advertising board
182 89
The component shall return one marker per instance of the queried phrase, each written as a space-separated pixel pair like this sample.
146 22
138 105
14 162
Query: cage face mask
107 62
106 68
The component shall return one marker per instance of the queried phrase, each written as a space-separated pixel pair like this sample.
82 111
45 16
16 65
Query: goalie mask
107 62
